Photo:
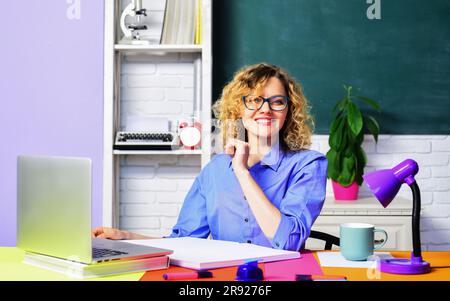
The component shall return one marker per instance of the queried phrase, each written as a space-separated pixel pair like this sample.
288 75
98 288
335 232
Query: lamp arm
416 220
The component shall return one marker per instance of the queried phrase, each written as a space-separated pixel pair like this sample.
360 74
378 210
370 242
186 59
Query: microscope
131 31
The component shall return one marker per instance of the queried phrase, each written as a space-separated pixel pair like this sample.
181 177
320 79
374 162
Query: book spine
165 26
198 23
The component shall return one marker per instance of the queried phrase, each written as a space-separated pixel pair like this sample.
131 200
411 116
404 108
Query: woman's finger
229 147
229 150
242 147
97 231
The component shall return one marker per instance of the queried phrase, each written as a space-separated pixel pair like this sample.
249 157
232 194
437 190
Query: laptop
54 213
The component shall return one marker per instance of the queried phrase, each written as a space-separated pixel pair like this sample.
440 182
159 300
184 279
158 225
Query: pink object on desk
188 275
287 269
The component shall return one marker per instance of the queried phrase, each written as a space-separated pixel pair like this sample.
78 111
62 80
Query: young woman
267 190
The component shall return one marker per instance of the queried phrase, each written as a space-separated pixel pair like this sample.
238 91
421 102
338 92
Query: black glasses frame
244 99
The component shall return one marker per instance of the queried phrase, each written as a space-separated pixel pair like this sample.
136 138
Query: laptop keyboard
99 253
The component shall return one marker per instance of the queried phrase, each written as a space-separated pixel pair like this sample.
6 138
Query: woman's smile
265 121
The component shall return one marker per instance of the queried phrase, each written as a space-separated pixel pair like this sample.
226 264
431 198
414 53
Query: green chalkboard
402 60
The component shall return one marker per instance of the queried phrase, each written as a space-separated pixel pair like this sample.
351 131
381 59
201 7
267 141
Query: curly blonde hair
297 129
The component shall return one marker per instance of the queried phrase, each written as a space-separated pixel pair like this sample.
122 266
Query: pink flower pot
345 193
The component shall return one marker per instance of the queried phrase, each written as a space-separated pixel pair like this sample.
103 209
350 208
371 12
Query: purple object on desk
249 271
385 185
415 265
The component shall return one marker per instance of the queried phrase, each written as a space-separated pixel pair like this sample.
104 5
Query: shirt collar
272 159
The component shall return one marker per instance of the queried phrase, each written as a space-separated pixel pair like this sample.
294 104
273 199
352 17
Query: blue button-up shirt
294 181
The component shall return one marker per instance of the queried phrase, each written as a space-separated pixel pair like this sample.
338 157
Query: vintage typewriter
146 141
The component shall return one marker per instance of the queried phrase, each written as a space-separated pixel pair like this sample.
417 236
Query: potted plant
346 157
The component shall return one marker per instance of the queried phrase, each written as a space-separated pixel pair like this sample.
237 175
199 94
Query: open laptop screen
54 206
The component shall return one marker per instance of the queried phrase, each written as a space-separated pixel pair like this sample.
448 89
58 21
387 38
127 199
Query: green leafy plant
346 157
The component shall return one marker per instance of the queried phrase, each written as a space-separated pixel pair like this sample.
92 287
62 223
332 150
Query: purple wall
51 92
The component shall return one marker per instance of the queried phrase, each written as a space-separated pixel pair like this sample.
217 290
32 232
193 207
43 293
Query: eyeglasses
276 103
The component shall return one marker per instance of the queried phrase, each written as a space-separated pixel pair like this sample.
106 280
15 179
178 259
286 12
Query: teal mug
357 241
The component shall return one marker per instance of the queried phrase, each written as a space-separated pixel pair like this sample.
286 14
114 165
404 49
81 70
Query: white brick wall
433 156
153 189
157 86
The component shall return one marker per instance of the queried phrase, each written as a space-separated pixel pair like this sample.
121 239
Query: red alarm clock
190 134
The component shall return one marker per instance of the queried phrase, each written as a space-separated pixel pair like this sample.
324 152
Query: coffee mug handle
381 244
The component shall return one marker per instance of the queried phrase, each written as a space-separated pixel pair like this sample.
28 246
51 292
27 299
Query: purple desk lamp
385 184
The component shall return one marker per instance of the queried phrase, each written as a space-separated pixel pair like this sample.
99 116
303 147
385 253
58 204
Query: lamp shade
386 183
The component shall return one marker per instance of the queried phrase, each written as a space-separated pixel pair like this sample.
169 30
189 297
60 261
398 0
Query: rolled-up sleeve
301 205
192 220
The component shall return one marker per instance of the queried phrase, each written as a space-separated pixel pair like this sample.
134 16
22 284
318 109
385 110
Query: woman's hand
239 151
110 233
115 234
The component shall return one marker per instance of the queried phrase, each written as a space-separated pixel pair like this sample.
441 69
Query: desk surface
12 269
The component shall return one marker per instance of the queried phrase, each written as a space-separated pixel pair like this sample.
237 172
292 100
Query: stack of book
182 22
75 269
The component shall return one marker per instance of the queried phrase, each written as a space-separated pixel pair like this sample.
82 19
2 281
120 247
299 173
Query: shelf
162 152
158 48
366 206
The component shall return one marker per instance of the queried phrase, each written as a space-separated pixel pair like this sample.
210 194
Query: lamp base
415 265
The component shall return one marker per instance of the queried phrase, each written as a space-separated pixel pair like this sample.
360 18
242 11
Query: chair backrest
329 239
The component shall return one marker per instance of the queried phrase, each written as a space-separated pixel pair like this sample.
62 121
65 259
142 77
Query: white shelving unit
113 59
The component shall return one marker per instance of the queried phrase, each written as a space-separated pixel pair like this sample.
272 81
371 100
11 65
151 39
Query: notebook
74 269
198 253
335 259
